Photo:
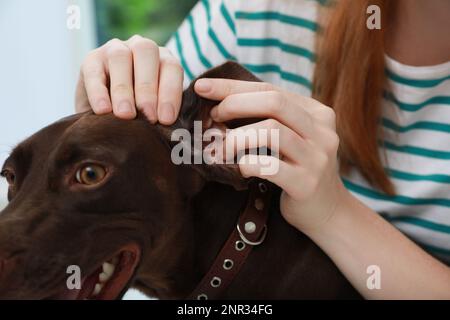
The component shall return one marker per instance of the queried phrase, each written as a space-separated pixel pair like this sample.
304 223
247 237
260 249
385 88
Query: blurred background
154 19
44 44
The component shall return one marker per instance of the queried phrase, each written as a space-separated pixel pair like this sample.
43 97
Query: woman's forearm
356 237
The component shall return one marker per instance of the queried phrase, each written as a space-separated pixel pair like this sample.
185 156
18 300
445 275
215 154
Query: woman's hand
314 199
308 144
121 76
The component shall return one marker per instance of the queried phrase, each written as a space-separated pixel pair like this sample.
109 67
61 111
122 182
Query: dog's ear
195 108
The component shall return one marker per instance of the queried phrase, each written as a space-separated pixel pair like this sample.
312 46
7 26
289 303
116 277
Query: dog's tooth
97 289
108 268
114 260
103 277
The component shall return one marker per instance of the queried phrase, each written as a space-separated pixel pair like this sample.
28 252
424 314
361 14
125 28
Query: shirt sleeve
206 38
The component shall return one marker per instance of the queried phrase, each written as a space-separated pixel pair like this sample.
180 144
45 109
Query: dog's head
94 198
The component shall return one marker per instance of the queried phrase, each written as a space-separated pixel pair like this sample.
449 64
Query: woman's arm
355 237
314 199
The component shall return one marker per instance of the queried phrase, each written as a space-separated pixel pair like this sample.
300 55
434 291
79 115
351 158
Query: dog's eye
90 174
9 176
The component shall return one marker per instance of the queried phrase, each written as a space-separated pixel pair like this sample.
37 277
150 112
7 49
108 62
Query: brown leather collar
250 231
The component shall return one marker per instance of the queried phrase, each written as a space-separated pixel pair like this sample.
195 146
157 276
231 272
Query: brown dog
92 189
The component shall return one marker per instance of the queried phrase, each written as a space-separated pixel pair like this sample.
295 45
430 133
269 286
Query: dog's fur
179 216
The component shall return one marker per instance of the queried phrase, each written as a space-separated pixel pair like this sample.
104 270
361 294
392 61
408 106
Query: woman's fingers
277 171
120 65
268 104
92 91
146 74
121 76
219 89
170 88
268 133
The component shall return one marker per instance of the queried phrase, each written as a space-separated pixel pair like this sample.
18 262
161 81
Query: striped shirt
275 39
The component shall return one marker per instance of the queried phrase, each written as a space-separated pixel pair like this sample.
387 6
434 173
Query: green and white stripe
276 40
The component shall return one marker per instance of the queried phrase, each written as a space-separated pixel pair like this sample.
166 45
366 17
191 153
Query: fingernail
166 113
214 113
103 106
125 107
203 85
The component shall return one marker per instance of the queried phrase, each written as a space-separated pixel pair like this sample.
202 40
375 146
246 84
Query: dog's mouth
109 280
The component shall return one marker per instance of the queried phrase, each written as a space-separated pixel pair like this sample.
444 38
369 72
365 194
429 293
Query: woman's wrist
340 210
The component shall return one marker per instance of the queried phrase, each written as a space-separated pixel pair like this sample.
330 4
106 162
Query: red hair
350 77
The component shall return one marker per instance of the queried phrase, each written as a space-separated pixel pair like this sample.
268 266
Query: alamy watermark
73 281
73 21
374 280
245 146
373 22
